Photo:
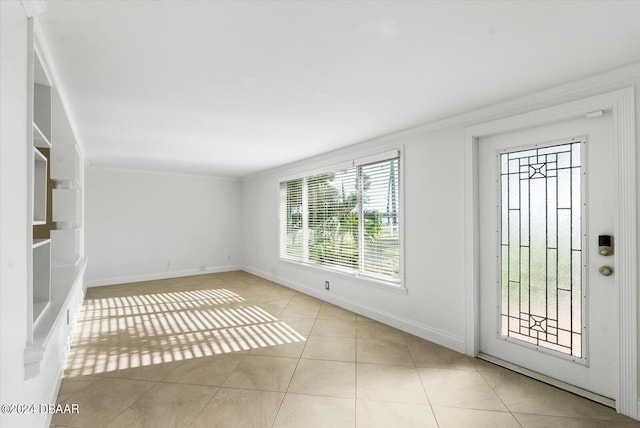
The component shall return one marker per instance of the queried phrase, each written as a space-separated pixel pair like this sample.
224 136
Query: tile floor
234 350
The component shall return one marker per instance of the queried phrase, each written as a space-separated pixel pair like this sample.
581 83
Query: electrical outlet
67 316
326 285
202 268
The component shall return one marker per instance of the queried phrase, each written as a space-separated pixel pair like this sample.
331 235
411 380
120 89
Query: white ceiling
233 88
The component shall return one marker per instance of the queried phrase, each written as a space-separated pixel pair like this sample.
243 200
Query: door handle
606 270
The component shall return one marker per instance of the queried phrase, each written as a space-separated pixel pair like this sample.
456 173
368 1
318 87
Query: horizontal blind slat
334 222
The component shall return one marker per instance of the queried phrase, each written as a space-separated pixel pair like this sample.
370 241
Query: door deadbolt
606 270
605 245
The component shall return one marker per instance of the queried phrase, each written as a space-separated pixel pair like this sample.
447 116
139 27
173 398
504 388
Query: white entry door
545 195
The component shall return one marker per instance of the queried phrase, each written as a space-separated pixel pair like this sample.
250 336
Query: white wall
144 225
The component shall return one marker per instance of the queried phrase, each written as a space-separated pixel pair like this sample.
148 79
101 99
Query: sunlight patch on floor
127 332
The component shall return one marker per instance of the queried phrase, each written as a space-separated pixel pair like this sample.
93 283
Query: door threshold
609 402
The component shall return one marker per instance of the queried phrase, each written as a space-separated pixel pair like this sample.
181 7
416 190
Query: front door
546 194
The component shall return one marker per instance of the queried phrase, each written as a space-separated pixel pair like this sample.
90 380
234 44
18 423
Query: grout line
286 391
203 407
134 402
433 412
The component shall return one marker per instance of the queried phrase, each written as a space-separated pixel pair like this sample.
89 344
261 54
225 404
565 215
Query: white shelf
39 139
39 187
66 205
38 309
41 276
65 163
40 242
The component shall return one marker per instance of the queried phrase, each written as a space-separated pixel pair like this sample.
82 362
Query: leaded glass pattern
541 246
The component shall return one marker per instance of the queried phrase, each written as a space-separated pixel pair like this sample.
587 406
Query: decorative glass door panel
541 242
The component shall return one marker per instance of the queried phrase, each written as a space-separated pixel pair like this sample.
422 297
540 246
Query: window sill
363 279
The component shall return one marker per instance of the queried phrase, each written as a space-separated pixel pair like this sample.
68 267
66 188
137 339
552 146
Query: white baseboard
159 275
410 326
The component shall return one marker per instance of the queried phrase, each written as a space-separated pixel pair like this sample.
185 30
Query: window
345 219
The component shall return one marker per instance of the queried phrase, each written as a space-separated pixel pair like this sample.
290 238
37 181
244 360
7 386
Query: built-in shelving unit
56 280
40 117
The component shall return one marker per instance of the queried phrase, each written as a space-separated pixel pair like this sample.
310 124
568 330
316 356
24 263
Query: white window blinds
346 219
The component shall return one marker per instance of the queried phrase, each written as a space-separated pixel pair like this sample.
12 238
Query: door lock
605 245
606 270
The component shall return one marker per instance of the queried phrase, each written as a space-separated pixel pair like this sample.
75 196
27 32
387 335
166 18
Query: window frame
352 274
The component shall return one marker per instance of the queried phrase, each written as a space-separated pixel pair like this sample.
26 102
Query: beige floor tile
380 414
461 418
102 401
334 327
292 350
166 405
263 373
72 385
301 326
332 312
280 292
211 371
302 308
311 411
428 354
330 378
459 388
235 408
255 293
494 374
301 297
330 348
273 333
539 421
369 329
153 372
126 361
383 351
522 394
273 306
389 383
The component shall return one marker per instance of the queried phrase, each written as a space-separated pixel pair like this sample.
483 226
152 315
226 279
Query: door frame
621 103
